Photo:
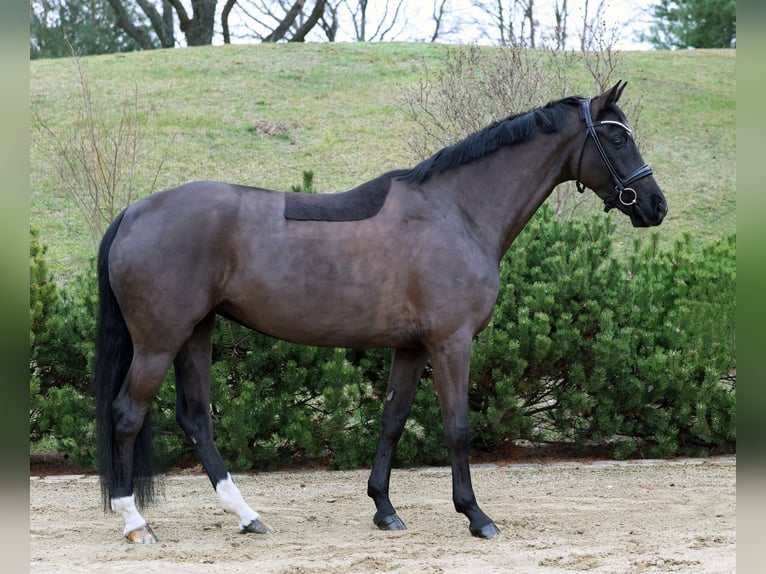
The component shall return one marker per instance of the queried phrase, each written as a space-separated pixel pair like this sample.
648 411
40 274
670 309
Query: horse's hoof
256 527
390 522
142 535
487 531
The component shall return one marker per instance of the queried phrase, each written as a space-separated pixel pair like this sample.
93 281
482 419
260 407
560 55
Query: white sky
623 18
629 16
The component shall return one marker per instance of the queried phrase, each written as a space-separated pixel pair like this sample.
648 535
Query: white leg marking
127 507
232 501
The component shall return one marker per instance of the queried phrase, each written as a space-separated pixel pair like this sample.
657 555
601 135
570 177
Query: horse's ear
616 92
600 103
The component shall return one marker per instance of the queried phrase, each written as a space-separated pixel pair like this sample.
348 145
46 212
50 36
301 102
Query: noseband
620 184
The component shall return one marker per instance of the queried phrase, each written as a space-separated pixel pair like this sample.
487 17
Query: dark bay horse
408 261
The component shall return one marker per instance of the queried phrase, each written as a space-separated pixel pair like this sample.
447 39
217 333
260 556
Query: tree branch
225 20
184 21
316 14
122 20
438 16
285 24
154 17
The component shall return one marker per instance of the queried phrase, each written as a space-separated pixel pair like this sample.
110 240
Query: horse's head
610 164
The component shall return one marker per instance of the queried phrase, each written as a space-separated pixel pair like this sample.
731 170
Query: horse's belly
352 306
357 285
322 321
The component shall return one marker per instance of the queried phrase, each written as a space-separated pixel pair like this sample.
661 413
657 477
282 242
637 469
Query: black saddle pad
358 203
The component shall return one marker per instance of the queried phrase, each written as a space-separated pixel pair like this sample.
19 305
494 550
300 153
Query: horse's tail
114 353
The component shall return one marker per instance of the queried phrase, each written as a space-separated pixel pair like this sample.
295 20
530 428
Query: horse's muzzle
642 216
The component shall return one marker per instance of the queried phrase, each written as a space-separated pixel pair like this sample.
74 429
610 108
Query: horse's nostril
662 208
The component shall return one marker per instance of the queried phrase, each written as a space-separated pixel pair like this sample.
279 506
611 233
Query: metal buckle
630 189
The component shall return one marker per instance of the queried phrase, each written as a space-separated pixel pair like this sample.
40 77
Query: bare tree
283 27
528 7
560 14
124 20
197 27
227 8
281 20
329 20
500 19
381 26
260 17
590 20
311 21
438 13
513 20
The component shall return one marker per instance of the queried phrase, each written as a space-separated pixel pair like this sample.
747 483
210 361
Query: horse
408 261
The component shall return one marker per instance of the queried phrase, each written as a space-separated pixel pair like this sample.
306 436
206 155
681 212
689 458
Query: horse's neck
500 192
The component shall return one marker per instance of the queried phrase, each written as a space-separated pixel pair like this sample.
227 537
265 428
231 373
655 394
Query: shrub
590 345
274 402
62 328
106 155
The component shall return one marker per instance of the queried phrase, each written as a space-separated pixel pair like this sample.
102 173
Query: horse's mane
517 128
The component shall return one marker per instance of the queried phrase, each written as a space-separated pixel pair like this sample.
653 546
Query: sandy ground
647 516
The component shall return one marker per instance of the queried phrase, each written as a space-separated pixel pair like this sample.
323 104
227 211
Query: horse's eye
620 139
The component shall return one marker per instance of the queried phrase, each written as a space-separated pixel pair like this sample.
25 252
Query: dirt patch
268 128
669 516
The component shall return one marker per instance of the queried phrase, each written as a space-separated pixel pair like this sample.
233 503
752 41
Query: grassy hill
262 114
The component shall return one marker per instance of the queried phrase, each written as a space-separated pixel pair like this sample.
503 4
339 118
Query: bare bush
103 157
478 86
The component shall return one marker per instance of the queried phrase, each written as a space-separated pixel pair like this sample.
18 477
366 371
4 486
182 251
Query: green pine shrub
590 343
598 346
43 301
63 323
62 330
275 402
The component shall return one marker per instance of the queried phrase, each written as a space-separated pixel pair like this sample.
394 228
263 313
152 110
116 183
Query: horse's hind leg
192 371
131 483
406 368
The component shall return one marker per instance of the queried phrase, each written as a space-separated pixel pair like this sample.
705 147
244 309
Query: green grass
340 107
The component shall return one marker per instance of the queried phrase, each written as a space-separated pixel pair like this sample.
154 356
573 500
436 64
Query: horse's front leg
406 368
451 362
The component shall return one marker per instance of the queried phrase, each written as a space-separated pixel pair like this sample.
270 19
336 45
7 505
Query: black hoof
390 522
257 527
487 531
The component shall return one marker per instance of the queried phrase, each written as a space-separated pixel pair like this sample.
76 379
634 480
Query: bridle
621 185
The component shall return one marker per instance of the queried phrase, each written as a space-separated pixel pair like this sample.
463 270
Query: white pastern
232 501
127 507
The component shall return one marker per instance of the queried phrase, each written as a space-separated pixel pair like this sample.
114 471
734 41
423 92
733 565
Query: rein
621 185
